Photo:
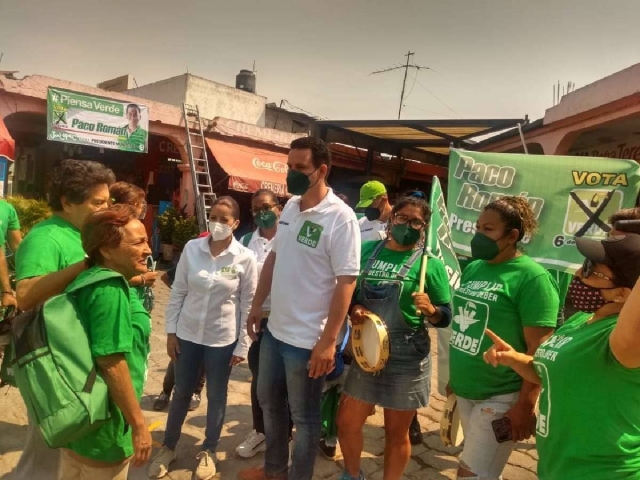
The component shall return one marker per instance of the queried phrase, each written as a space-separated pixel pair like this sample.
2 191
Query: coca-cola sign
277 167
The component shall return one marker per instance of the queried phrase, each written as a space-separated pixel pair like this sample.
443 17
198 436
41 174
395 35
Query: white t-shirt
312 249
372 231
261 247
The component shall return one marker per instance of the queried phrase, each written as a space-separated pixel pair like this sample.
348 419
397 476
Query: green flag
440 245
571 197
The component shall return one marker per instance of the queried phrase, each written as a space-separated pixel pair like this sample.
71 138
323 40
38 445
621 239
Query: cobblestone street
428 461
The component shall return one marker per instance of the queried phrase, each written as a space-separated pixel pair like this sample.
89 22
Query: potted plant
30 211
186 229
166 227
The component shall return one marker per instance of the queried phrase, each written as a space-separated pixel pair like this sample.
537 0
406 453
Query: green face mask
297 182
405 235
483 247
266 219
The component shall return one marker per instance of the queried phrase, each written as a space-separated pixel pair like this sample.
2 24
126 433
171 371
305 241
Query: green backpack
54 369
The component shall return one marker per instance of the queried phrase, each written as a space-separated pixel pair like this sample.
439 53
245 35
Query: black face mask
372 213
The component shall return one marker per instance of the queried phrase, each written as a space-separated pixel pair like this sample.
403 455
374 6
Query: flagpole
423 268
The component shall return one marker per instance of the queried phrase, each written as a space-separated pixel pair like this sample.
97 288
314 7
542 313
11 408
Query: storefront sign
570 196
74 117
625 149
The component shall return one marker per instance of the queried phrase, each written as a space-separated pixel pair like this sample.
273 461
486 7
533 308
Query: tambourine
370 344
451 432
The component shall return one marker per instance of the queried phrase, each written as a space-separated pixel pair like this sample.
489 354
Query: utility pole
406 67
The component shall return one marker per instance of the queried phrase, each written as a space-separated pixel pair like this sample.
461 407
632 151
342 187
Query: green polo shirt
8 221
135 140
50 246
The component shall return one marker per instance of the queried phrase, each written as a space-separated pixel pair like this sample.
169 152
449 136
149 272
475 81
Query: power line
406 67
440 114
439 99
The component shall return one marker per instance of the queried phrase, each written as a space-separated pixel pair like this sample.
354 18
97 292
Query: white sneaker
207 466
160 464
254 444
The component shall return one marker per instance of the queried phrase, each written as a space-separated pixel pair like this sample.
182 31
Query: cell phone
502 429
151 264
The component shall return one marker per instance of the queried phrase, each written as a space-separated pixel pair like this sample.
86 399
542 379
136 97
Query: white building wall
218 100
171 90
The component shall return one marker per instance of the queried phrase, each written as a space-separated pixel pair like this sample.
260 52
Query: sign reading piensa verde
570 196
74 117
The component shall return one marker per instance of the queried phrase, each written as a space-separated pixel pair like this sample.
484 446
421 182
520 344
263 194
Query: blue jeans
284 374
217 370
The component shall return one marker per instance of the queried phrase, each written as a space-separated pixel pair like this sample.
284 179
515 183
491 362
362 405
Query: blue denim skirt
404 383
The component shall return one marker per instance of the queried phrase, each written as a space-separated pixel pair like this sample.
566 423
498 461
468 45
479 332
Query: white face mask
219 231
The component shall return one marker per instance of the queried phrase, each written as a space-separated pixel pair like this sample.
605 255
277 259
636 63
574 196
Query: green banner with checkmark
571 197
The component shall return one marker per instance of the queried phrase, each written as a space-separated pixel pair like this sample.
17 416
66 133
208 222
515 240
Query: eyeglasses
264 208
414 223
588 269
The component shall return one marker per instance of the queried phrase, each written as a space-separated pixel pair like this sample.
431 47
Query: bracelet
7 293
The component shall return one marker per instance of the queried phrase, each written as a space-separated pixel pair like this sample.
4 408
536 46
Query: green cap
369 192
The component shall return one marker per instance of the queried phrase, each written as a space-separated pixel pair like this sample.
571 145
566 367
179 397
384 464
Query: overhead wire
439 100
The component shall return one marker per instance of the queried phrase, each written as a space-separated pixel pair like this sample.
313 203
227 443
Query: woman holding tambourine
388 290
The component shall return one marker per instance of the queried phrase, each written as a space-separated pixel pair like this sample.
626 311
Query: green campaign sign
74 117
571 197
440 245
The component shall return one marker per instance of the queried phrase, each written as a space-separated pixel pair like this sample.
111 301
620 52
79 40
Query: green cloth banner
74 117
440 245
571 196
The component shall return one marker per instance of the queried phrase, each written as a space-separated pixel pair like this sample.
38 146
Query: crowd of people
284 297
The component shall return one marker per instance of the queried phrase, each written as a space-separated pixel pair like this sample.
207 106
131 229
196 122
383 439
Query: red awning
7 144
250 168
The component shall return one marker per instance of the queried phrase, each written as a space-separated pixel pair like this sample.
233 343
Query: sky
487 58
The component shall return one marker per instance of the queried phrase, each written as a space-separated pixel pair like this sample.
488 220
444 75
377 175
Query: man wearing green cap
377 209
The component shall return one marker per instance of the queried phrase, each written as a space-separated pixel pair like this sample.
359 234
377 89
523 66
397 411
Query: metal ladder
199 165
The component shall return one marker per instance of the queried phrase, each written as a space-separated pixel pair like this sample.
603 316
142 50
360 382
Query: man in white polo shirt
311 273
374 202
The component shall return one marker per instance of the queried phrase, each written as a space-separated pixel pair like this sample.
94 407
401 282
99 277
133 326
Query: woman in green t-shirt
508 292
589 421
118 328
388 286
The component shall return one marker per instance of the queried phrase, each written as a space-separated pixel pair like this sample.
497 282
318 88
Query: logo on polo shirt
470 321
309 234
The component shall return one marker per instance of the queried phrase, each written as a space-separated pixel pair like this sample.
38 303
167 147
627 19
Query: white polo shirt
312 249
211 296
261 247
372 230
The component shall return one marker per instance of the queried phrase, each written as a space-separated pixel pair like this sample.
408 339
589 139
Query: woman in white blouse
206 321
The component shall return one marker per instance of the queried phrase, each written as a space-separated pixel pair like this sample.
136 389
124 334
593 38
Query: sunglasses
588 269
418 194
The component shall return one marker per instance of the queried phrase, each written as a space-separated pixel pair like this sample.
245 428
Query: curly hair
74 180
415 202
105 229
516 213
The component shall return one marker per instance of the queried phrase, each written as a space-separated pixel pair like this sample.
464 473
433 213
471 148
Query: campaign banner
571 197
74 117
440 245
